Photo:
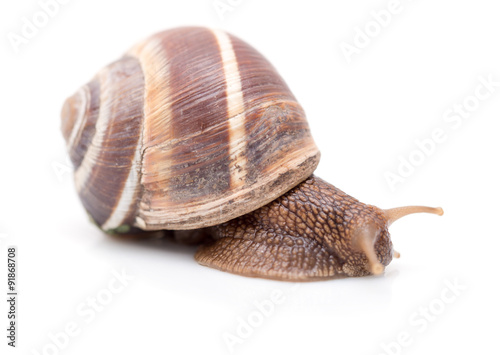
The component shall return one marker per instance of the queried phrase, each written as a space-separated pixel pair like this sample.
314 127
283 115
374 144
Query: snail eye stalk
394 214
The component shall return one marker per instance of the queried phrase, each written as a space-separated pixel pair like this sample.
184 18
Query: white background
365 115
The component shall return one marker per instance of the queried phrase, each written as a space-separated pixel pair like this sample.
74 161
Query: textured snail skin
193 132
304 235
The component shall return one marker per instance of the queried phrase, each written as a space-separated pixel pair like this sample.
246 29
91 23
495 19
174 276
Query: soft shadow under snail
194 131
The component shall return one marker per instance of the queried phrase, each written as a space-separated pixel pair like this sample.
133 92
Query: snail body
194 130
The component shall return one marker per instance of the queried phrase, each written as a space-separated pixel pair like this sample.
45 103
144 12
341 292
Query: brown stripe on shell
109 159
200 158
185 143
261 83
276 126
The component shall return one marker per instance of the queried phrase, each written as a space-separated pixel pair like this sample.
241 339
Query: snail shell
190 128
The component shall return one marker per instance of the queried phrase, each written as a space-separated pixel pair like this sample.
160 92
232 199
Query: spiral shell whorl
107 115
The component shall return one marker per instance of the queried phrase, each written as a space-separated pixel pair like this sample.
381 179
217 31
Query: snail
194 131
